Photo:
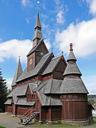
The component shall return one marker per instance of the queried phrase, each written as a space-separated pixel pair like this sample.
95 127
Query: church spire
38 32
17 73
19 68
38 24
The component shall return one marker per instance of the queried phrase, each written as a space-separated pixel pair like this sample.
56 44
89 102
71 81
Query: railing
26 114
27 118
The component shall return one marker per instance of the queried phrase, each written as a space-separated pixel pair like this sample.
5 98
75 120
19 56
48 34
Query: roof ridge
56 57
42 86
51 84
48 54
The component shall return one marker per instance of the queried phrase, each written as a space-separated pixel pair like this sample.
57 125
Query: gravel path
9 121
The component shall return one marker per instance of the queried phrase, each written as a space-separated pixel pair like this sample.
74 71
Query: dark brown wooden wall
8 108
75 107
59 69
20 110
49 113
56 113
31 64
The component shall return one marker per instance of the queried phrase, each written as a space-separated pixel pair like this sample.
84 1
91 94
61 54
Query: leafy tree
3 92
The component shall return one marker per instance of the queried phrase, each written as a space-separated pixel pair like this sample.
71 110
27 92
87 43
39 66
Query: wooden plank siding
74 108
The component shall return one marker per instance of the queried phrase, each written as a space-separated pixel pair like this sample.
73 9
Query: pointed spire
38 32
38 24
72 67
17 73
71 54
19 68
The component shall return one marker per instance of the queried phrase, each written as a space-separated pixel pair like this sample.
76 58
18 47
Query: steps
28 117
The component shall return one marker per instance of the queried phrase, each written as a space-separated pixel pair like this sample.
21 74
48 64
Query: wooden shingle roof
48 100
23 101
18 91
71 56
17 73
73 85
72 82
51 66
9 101
51 86
38 69
72 68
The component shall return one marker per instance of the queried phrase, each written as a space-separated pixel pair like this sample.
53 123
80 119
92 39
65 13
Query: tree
3 92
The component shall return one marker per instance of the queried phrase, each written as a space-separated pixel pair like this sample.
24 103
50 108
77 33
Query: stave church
50 89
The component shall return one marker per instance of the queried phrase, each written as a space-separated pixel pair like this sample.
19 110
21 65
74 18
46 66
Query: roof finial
19 58
62 53
71 47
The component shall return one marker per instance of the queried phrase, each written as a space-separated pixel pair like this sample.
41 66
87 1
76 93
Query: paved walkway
9 121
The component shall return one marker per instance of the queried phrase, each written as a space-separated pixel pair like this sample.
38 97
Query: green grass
2 127
38 125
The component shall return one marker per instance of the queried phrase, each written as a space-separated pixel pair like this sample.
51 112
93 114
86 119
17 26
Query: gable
40 46
35 55
56 66
38 69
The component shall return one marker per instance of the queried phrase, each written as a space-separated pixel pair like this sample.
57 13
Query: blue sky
63 22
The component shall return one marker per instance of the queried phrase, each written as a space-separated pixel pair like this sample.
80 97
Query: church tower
38 33
39 48
74 92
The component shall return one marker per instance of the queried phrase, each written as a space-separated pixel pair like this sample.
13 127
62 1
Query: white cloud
82 35
25 2
60 17
9 82
15 48
59 12
92 6
48 44
90 83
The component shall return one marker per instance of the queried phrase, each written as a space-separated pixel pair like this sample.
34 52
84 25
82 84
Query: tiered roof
72 82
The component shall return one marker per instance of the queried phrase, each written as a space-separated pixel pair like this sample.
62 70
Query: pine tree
3 92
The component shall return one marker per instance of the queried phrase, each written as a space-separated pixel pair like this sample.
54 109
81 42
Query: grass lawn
38 125
2 127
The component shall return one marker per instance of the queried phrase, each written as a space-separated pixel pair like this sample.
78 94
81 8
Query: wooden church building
50 88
